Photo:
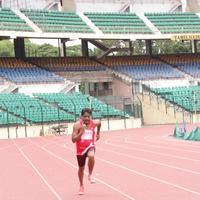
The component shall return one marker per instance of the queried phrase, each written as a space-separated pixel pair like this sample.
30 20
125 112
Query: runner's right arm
77 132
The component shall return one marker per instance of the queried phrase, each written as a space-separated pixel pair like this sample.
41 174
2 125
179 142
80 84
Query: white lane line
37 171
148 151
6 147
150 161
126 140
99 180
74 166
168 141
148 176
125 168
144 159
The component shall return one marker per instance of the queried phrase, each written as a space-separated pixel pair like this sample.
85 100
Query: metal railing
23 116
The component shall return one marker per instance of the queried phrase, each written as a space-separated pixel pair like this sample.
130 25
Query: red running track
137 164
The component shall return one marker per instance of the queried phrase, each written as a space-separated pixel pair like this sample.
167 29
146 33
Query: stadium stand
6 119
75 102
68 64
16 108
175 22
55 21
9 21
22 72
118 23
188 63
142 67
31 109
115 23
186 97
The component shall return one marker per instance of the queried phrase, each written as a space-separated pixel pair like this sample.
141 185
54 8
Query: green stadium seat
55 21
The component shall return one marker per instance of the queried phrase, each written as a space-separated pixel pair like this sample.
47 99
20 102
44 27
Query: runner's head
86 114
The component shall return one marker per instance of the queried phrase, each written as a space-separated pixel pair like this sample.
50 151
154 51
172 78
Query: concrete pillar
194 46
85 51
86 88
148 44
19 47
62 48
68 5
77 88
131 48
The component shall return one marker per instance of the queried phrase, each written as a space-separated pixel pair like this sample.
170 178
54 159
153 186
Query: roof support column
62 47
85 50
19 48
148 44
131 48
194 46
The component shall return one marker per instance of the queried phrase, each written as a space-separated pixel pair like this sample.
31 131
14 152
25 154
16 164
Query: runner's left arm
98 125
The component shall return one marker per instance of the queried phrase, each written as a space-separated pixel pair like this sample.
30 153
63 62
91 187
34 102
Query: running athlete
84 137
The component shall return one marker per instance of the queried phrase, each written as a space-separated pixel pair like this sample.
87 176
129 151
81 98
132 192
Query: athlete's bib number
87 135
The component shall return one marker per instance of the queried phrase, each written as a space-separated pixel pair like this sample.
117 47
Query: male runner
84 137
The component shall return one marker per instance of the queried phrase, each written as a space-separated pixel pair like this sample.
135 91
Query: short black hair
86 110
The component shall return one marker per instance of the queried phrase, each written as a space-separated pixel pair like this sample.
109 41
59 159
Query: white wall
148 7
167 83
40 88
34 130
98 7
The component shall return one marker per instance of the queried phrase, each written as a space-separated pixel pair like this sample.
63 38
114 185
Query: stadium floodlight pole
7 117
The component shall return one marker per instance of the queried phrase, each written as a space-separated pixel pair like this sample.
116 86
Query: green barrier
194 135
177 132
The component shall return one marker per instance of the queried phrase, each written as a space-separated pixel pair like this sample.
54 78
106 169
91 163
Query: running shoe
81 190
91 179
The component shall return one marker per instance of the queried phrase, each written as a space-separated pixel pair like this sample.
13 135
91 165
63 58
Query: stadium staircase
116 46
68 86
11 88
125 7
89 23
148 23
175 5
50 4
27 20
